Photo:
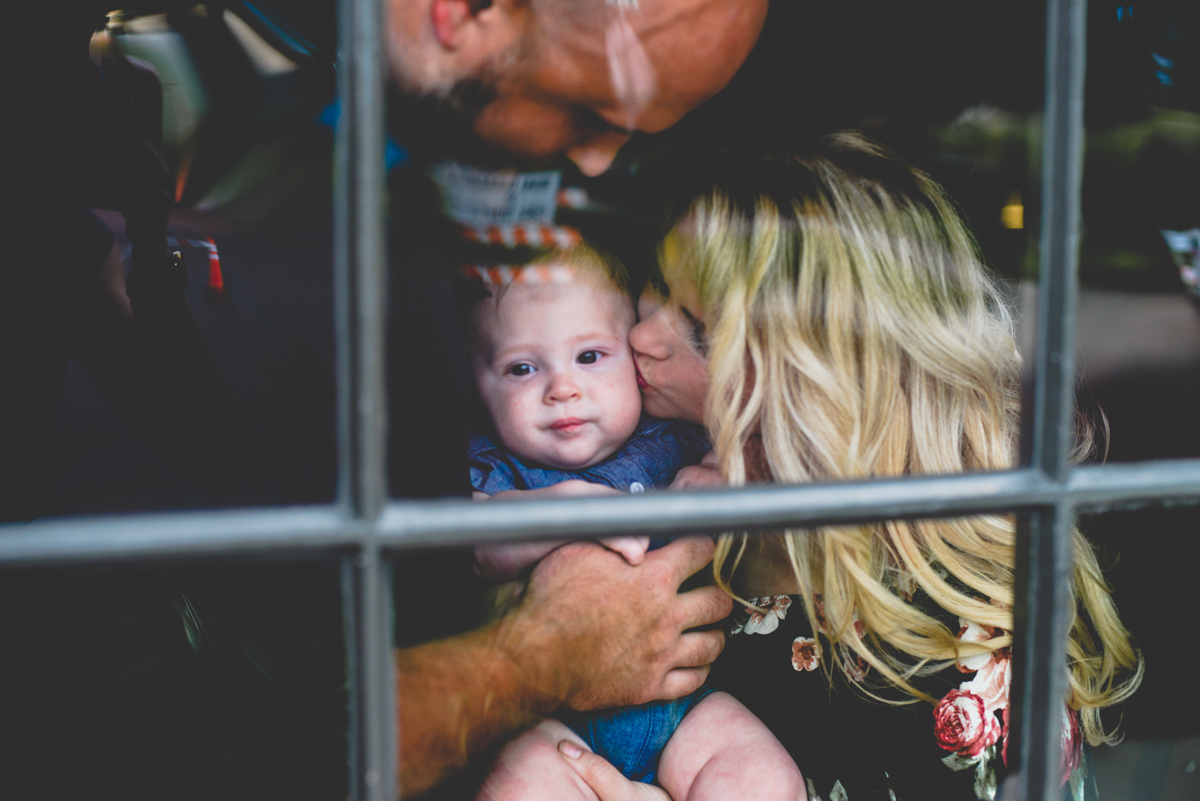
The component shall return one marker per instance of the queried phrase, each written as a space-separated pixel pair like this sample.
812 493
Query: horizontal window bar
754 507
775 506
425 523
1137 483
179 534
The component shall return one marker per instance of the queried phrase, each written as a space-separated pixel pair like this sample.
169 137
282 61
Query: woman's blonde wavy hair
854 333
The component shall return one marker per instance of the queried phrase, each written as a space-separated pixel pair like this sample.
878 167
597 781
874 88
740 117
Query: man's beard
441 124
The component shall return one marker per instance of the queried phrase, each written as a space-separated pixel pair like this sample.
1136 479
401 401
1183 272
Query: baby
553 366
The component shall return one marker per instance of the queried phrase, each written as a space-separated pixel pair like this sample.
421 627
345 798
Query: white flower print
806 653
765 618
836 793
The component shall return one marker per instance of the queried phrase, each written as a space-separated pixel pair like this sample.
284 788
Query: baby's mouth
567 424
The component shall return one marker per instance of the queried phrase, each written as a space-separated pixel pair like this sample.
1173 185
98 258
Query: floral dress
852 748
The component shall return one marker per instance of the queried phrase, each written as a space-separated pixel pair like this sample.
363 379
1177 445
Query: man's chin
435 128
427 126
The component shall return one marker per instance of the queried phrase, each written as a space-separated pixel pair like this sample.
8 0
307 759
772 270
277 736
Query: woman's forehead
676 261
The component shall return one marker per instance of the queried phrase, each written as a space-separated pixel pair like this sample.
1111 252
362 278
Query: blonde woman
827 317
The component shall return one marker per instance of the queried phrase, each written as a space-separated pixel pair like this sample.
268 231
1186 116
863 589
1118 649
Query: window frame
363 528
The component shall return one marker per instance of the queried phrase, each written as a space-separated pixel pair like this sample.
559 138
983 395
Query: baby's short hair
557 265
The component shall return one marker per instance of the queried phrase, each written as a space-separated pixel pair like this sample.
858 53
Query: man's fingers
680 682
704 606
699 648
605 780
686 555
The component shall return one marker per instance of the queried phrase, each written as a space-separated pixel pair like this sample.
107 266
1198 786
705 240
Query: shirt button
637 488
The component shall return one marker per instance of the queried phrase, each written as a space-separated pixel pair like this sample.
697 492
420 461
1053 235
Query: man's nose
562 389
594 154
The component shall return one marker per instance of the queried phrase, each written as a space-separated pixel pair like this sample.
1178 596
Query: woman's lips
567 424
641 382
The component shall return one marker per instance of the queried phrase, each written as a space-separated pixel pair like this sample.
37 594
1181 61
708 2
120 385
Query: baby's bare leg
722 751
530 768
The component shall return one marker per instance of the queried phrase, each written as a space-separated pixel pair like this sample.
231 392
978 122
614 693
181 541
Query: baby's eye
520 369
589 357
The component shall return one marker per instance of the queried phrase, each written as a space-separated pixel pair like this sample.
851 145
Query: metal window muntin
411 524
362 526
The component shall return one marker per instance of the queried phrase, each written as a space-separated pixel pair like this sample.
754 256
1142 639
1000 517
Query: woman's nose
646 338
595 154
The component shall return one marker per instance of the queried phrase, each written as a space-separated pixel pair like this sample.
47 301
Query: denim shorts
633 737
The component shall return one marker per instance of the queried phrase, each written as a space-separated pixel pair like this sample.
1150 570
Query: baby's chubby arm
503 562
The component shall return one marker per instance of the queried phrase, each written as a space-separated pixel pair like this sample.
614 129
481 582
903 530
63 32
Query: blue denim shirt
650 458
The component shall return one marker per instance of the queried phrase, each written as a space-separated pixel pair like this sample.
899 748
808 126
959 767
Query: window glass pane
1148 555
220 393
955 88
1139 326
170 682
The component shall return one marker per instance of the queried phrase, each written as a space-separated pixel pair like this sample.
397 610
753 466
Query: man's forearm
456 697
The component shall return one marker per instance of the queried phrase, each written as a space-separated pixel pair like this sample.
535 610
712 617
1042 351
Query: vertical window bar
359 277
1062 170
1044 538
1043 596
366 606
359 295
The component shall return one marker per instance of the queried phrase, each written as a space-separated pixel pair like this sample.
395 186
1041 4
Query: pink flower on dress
993 671
1072 743
1004 745
992 681
963 724
973 632
806 653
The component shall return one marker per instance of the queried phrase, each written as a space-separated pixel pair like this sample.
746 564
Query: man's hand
594 631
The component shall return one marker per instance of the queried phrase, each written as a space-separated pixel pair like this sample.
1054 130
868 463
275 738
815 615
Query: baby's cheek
624 402
522 411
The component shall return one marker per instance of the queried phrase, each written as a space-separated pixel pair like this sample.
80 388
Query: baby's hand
567 489
700 475
632 548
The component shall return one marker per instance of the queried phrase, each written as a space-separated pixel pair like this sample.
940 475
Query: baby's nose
562 388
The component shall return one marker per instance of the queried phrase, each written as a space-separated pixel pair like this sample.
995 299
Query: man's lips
567 424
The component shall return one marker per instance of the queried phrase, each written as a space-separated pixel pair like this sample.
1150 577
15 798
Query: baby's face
553 365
